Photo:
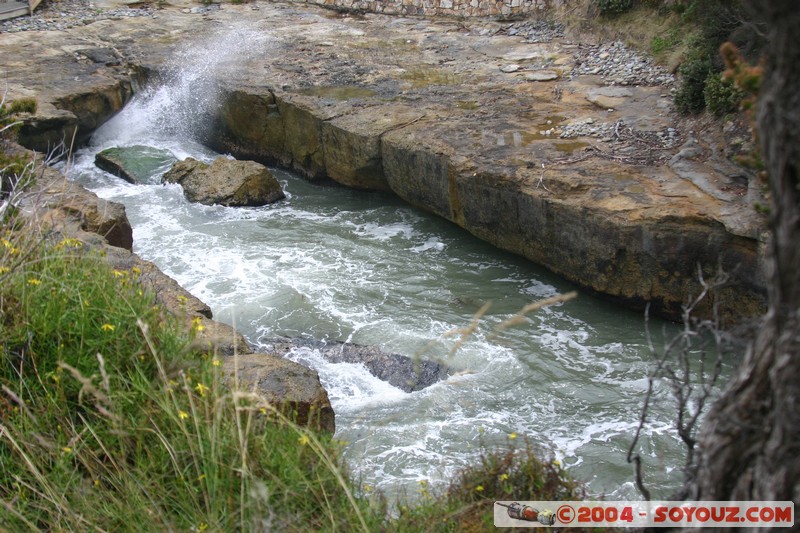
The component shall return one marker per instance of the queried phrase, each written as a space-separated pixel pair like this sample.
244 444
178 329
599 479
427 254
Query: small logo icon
518 511
566 514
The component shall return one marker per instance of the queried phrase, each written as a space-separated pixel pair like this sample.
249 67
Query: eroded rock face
70 209
290 387
225 181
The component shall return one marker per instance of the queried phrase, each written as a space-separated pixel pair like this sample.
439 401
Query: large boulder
135 164
225 181
292 388
406 373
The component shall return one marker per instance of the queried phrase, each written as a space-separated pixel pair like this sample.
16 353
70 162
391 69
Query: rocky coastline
588 172
60 209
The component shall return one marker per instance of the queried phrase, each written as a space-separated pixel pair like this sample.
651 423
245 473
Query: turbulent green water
335 264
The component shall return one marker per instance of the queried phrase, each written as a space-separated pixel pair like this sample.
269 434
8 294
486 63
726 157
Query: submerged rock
225 181
406 373
135 164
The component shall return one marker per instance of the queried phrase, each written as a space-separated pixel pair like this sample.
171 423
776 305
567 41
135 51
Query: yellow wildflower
303 440
136 270
66 449
202 527
201 389
479 488
34 281
216 362
183 415
120 273
4 270
108 327
197 324
503 476
69 243
512 436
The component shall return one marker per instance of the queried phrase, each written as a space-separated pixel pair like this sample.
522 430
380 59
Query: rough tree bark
750 442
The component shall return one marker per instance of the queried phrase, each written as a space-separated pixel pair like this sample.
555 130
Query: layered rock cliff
628 201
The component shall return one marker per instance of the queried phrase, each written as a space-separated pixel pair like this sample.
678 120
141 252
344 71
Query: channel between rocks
628 230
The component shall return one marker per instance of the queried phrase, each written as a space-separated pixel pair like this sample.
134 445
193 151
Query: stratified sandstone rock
66 207
289 386
134 164
225 181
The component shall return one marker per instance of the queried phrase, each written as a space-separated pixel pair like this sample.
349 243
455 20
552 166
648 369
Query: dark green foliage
721 95
612 7
497 475
690 97
717 22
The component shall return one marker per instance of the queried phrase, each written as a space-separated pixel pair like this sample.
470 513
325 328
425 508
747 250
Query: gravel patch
535 31
620 132
65 14
619 65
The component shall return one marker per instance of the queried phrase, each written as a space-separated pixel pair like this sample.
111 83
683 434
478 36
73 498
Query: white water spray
182 102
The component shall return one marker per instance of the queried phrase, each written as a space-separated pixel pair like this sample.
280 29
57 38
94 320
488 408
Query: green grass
109 421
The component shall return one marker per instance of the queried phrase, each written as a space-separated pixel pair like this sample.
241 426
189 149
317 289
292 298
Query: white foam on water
335 264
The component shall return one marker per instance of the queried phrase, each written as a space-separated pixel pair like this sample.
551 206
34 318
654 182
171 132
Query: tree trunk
750 442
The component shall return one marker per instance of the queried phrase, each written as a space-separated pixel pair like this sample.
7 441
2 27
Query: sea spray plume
183 98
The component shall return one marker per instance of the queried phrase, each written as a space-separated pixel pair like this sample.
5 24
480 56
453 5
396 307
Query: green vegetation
721 95
110 421
686 36
690 95
662 43
713 23
612 7
469 502
11 165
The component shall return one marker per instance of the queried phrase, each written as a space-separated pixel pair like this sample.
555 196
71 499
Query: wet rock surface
406 373
422 108
134 164
226 182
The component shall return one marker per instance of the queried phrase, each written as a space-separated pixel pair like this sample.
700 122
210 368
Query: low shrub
721 95
690 95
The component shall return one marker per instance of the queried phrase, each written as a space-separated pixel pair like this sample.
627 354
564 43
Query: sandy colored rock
225 181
